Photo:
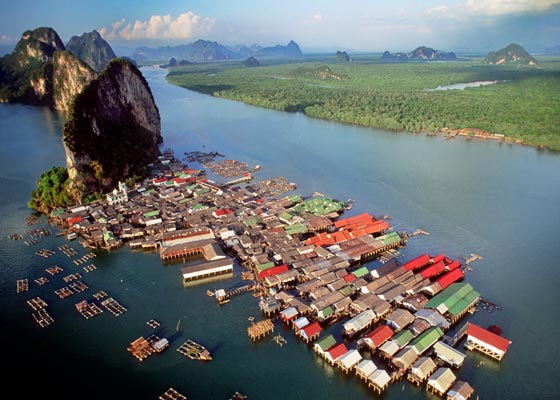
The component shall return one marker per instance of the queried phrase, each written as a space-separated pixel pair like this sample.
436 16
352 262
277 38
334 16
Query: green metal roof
150 214
403 337
347 290
295 229
326 342
327 311
360 272
57 212
391 239
449 295
319 206
252 221
263 266
464 302
286 216
427 338
296 198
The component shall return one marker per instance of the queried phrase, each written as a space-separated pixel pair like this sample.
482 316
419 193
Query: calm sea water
497 200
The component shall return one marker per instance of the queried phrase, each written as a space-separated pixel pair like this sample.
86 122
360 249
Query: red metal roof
416 263
337 350
276 230
74 220
433 270
488 337
351 220
380 335
349 278
312 329
438 258
273 271
453 265
449 277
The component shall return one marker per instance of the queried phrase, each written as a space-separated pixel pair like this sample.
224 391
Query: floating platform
172 394
194 351
22 285
78 286
99 295
88 310
67 250
141 349
41 281
71 277
37 303
45 253
157 343
90 267
43 318
54 270
64 292
113 306
153 323
259 330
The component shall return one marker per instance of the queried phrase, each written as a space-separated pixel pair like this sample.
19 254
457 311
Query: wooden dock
259 330
22 285
113 306
172 394
473 257
240 290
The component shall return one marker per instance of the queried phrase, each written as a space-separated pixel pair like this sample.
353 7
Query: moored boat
194 351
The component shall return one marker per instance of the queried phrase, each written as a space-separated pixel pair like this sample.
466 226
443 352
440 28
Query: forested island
521 105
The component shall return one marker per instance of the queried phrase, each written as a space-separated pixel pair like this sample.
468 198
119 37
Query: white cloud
503 7
437 10
317 17
185 26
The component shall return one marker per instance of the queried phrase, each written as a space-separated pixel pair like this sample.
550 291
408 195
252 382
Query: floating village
309 267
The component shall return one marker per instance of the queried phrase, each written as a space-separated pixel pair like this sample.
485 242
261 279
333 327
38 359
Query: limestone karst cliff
113 127
92 49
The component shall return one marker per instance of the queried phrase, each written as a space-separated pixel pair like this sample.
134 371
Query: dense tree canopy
523 105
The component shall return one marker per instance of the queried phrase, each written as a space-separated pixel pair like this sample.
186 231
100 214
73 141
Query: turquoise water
497 200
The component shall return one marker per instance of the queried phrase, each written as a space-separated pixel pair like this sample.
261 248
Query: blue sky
364 25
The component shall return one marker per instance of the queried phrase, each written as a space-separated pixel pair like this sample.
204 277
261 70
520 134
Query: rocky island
511 54
113 127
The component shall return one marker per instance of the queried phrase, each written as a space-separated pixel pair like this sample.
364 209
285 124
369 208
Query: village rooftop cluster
393 319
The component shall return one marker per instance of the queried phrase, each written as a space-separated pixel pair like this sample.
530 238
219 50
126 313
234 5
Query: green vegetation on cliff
51 191
91 48
523 105
114 124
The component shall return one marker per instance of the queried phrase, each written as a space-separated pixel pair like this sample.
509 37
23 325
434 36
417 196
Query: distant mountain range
420 53
205 50
511 54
